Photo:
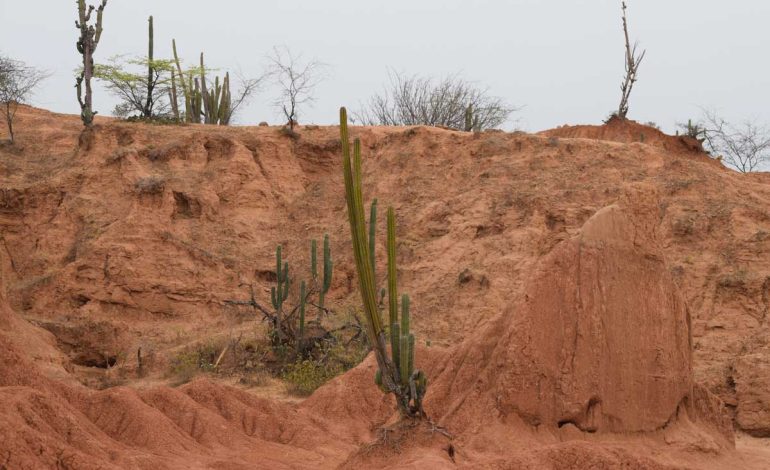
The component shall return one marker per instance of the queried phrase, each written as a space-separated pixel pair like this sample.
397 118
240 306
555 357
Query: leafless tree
745 147
17 83
296 80
633 60
411 100
249 86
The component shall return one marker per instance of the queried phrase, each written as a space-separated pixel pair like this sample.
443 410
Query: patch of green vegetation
190 362
306 376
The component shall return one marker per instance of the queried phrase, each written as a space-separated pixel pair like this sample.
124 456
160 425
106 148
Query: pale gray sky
562 59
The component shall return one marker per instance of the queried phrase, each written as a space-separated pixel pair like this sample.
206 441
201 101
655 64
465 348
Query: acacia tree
452 102
17 83
744 147
633 60
296 81
146 95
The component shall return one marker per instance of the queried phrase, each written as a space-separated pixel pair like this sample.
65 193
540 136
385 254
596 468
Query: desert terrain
584 297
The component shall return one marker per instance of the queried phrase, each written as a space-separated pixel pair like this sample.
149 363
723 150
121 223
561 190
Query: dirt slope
561 280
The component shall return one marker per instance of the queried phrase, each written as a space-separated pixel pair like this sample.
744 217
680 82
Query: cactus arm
99 16
404 359
301 315
392 280
372 236
328 265
285 281
314 259
405 315
410 361
395 344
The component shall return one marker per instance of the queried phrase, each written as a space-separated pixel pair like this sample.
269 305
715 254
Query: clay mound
629 132
600 342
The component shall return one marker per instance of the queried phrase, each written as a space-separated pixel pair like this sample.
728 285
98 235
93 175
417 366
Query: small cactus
328 266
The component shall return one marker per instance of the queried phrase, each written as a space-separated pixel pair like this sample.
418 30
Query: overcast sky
561 59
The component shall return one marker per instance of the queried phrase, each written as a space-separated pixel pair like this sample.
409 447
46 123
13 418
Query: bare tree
451 102
633 60
17 83
745 147
296 81
249 86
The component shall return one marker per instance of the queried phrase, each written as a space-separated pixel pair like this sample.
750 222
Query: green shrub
306 376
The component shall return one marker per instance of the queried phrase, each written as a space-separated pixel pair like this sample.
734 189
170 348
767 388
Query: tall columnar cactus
90 34
328 266
186 88
150 70
280 292
172 94
472 122
395 374
469 118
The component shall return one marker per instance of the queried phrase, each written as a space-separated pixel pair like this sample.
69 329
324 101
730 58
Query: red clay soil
590 300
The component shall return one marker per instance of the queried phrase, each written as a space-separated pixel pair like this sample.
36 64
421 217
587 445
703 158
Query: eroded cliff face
557 270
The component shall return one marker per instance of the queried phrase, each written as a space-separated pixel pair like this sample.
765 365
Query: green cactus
314 259
372 237
392 279
280 293
213 104
302 301
172 94
395 345
326 282
190 90
469 118
150 69
405 316
396 373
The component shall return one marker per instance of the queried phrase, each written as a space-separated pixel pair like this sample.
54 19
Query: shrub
306 376
150 185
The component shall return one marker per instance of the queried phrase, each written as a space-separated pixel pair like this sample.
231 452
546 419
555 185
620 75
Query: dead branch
633 60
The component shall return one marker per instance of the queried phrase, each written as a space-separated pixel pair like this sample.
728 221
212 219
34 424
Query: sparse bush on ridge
17 83
450 102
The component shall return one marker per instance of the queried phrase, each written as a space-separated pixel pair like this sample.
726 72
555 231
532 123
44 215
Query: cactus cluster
396 373
283 321
213 104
